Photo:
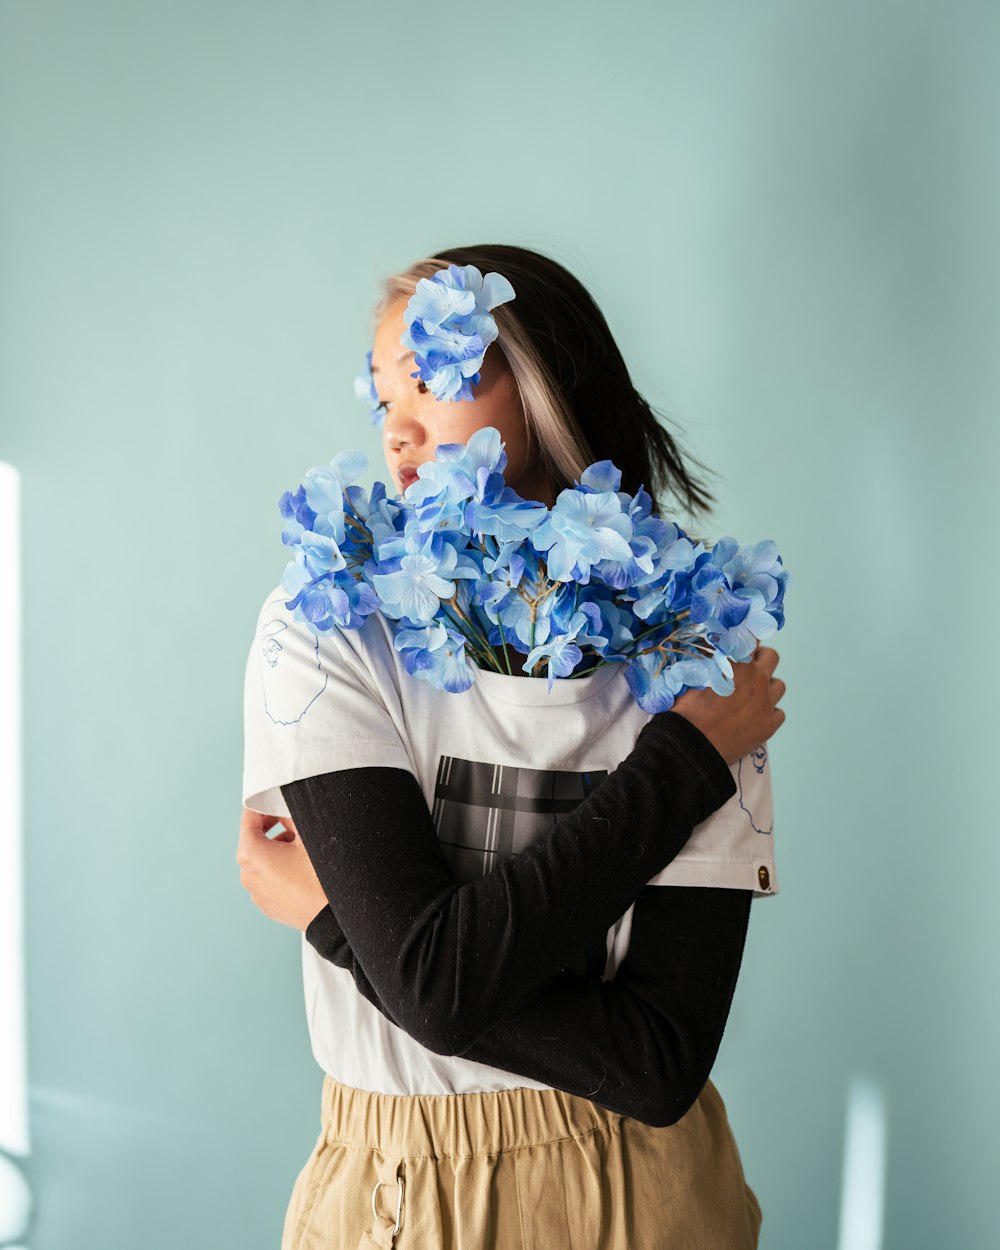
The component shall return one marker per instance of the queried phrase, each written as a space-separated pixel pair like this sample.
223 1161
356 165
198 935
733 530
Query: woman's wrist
700 723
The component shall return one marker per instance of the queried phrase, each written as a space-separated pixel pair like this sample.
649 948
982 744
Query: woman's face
415 421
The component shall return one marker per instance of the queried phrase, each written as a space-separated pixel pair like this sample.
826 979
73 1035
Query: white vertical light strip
862 1195
13 1036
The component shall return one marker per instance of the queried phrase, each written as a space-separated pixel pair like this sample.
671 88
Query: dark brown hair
577 395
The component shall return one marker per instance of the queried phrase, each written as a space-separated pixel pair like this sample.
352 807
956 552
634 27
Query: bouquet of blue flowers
475 575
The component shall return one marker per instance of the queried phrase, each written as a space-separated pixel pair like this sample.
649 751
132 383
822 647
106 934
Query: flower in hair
364 388
449 327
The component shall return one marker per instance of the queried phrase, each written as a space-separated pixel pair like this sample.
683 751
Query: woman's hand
278 872
737 723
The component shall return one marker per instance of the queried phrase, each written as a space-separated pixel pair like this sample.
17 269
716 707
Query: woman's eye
382 405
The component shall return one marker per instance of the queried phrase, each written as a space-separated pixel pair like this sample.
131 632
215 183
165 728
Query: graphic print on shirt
758 762
485 814
286 702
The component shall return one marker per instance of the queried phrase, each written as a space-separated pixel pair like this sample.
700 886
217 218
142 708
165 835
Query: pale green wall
788 212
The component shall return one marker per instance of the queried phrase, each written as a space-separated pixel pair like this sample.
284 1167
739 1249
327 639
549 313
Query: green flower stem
476 641
505 655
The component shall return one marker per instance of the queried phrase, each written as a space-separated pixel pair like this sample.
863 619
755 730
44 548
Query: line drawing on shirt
758 761
283 703
486 813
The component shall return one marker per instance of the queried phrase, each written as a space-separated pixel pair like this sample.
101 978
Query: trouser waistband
456 1125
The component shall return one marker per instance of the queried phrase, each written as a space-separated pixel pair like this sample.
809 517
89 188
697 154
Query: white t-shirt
494 763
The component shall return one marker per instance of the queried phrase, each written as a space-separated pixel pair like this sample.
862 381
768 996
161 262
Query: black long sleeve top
449 960
459 967
641 1044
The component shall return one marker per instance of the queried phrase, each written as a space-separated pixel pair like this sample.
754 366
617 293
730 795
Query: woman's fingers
256 822
253 825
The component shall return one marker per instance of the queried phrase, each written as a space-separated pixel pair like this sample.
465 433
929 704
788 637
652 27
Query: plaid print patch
485 814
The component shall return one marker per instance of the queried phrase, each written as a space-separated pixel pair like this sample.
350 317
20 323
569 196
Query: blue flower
299 517
324 487
446 666
653 683
656 683
409 641
493 507
459 560
364 388
445 484
676 558
320 554
714 602
601 476
739 641
562 650
580 530
757 581
619 626
437 654
327 601
699 672
755 568
449 327
508 600
423 576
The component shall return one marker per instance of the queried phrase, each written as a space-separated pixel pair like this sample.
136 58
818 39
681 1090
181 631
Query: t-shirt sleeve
734 847
312 704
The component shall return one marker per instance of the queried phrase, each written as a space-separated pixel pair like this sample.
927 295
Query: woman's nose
403 431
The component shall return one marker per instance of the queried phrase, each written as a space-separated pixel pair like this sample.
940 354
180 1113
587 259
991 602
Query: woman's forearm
447 959
641 1044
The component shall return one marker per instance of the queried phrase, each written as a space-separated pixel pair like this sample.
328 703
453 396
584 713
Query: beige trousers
520 1169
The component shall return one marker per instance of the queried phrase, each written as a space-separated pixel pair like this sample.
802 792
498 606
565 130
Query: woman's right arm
642 1043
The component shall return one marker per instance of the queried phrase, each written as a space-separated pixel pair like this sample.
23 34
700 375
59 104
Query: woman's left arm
641 1044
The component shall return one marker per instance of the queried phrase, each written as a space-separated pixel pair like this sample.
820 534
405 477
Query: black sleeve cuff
323 932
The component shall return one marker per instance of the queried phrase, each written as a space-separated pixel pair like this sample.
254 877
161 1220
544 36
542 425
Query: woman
515 1016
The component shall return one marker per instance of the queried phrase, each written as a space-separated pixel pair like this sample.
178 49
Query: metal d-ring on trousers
382 1228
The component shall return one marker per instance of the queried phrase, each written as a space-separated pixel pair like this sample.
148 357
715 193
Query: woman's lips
407 474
